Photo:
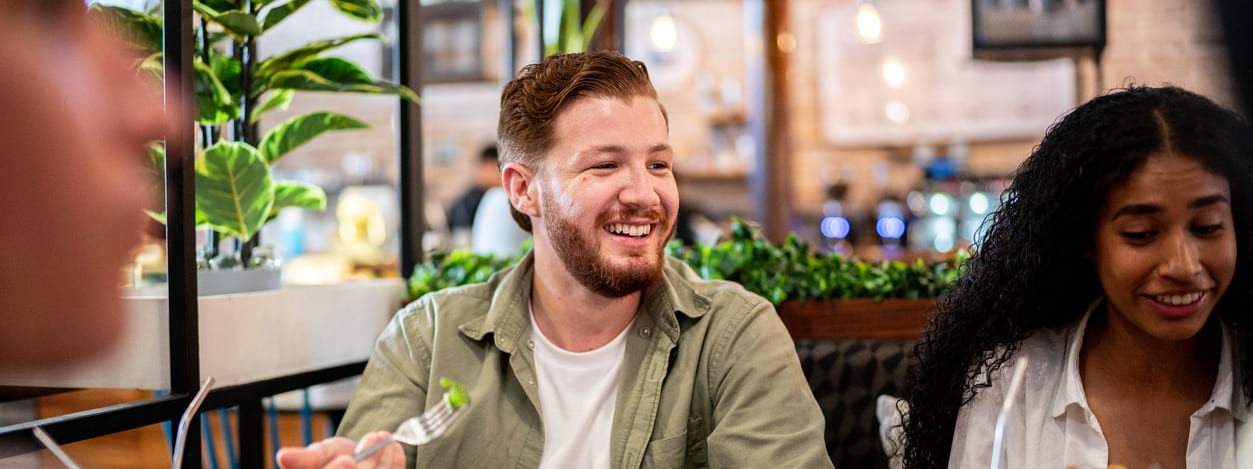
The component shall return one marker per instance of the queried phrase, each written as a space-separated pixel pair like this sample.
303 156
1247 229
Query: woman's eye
658 165
1207 229
1137 236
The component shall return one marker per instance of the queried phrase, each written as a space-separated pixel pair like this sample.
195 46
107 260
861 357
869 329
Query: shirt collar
1224 396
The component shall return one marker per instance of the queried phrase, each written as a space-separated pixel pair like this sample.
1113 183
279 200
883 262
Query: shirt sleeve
764 412
394 384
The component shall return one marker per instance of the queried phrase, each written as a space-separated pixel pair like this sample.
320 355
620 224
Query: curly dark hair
1029 271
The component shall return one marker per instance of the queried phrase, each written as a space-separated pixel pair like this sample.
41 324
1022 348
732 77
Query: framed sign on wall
452 43
1003 24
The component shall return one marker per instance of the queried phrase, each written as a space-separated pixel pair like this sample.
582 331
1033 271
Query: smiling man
596 350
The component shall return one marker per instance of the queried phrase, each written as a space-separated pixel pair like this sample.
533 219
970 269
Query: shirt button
530 344
531 382
645 332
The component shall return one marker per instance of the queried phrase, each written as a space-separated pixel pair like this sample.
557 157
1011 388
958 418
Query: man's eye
658 165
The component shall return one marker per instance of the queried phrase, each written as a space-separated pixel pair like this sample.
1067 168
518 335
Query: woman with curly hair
1112 266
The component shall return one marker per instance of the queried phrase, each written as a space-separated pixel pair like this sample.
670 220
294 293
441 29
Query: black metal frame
180 238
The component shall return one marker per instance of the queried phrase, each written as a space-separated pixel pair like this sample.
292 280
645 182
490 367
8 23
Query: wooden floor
147 447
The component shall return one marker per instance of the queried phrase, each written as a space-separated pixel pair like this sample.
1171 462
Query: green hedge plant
778 272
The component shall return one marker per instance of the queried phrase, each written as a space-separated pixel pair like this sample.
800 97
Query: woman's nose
1181 259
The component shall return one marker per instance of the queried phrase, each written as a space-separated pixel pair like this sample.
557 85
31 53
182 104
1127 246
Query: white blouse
1051 425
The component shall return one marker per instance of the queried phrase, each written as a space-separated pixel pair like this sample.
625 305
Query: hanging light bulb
869 26
663 33
893 73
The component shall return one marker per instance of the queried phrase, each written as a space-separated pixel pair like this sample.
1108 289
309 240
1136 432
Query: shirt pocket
666 453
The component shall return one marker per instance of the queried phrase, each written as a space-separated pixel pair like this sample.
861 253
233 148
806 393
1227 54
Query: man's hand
337 453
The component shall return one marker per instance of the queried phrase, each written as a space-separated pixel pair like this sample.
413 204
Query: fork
421 429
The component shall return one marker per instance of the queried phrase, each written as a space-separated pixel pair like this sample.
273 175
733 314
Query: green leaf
201 224
154 179
592 23
281 12
213 99
153 66
364 10
227 69
278 99
305 80
337 70
297 194
156 155
234 188
239 23
138 30
301 129
280 62
574 35
221 5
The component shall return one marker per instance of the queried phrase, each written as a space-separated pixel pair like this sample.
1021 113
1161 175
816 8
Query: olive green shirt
710 379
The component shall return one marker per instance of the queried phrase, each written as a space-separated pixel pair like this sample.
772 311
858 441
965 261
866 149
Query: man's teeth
630 230
1178 300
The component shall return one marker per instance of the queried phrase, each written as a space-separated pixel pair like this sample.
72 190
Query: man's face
75 119
607 195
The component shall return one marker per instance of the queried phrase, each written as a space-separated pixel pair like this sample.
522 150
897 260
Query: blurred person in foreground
72 134
1118 265
596 350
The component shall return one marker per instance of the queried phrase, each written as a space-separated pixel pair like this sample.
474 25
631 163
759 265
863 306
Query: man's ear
519 183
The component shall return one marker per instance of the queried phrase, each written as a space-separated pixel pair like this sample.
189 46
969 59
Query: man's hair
529 104
1031 270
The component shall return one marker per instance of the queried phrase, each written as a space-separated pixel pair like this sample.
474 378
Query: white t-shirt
1051 425
577 392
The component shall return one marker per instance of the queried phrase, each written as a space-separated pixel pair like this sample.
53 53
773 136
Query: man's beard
582 258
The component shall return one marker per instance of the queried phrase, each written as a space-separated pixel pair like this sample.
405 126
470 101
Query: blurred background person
462 212
76 118
494 230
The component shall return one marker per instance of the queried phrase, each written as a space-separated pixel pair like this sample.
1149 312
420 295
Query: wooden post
765 21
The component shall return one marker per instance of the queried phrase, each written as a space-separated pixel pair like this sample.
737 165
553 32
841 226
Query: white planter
222 282
243 337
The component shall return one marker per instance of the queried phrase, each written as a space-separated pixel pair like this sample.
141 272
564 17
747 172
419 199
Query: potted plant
236 191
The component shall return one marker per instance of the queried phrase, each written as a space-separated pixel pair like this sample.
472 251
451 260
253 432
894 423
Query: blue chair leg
167 427
272 414
228 437
306 418
206 436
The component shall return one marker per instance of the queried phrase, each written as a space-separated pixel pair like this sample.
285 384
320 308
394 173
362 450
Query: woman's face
1165 248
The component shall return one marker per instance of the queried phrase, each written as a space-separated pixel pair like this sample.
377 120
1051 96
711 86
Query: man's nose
638 189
